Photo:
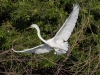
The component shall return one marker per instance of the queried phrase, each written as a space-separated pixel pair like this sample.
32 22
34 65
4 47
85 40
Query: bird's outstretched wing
43 48
67 28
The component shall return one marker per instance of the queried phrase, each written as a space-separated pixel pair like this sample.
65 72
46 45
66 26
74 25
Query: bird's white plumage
43 48
59 41
67 28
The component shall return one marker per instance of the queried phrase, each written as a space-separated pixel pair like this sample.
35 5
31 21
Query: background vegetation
83 57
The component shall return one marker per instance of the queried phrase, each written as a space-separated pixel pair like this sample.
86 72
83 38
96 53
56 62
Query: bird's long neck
38 32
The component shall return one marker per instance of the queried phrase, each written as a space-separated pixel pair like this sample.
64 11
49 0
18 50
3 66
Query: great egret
59 41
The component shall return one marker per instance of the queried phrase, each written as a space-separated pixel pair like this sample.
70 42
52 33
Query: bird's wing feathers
65 31
43 48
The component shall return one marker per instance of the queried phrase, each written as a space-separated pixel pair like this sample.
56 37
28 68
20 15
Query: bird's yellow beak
28 28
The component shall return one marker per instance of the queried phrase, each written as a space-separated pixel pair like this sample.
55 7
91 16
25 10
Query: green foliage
17 15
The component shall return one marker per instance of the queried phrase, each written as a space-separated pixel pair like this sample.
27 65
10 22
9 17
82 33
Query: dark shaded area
4 17
91 29
49 71
20 25
96 15
2 41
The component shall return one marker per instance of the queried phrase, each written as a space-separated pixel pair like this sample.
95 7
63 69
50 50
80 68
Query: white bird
59 41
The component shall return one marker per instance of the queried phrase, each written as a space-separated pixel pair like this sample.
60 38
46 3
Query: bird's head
32 26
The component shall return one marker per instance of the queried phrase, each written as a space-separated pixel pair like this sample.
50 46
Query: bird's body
51 43
58 46
59 41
